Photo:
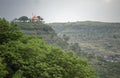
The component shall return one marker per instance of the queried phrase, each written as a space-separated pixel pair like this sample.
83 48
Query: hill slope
92 34
99 41
48 35
26 56
44 31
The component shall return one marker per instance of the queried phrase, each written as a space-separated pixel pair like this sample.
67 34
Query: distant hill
100 42
94 34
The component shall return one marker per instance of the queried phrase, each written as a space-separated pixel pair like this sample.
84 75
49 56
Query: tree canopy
40 18
8 31
23 18
30 57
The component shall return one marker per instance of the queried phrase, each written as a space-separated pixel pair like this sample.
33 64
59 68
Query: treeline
23 56
27 19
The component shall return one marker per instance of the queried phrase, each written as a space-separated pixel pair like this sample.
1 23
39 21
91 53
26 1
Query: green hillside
44 31
28 56
47 34
99 42
91 34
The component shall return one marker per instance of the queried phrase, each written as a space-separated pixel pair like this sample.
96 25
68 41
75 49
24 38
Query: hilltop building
35 19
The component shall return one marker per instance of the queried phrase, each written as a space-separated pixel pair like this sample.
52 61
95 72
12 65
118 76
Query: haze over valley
59 38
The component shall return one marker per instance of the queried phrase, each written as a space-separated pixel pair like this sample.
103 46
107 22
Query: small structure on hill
35 19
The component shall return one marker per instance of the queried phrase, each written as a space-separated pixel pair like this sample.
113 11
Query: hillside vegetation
48 35
99 42
28 56
91 34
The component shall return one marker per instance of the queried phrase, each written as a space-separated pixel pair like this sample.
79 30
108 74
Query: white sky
62 10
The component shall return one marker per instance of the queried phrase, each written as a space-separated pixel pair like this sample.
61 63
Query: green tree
23 19
33 58
30 57
3 72
8 31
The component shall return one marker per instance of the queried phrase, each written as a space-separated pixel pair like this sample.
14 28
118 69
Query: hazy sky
62 10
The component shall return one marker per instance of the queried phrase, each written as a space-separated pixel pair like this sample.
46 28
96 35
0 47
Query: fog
62 10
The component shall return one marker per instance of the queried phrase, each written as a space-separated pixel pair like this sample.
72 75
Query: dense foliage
23 18
8 31
23 56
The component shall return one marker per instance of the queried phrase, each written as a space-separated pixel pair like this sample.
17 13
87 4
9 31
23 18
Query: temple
35 19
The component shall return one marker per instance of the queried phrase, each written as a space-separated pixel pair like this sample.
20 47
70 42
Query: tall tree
8 31
3 72
23 19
